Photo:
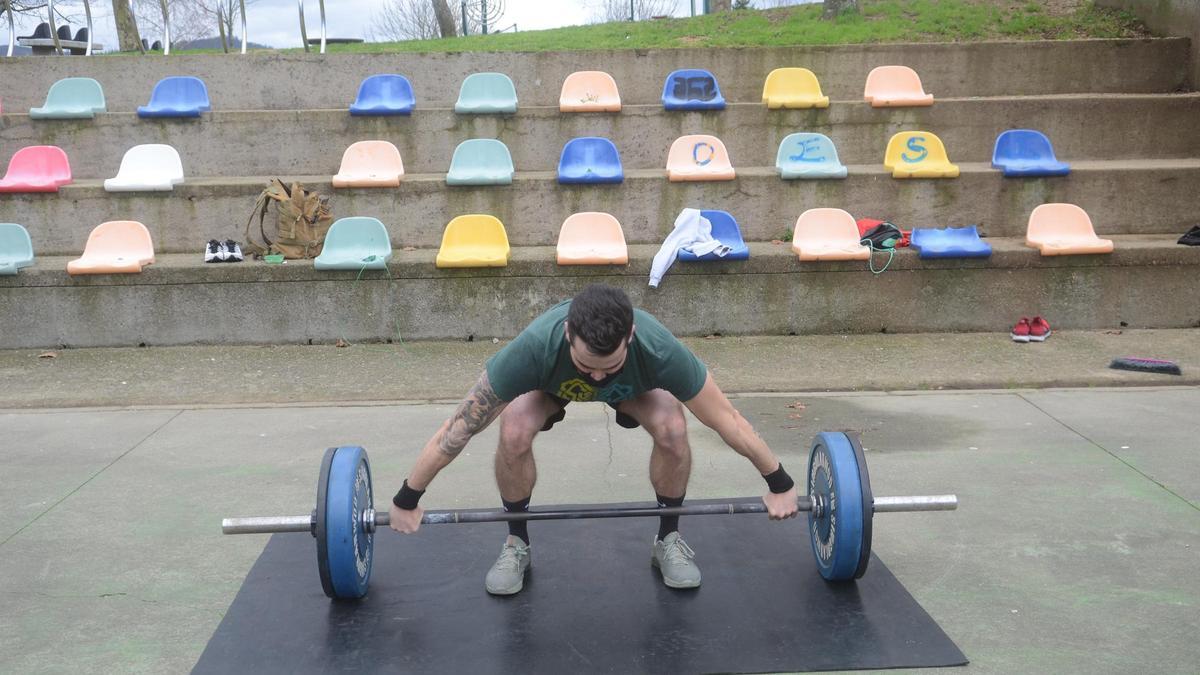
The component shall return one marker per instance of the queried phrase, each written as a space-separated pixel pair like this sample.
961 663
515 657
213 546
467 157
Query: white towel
692 232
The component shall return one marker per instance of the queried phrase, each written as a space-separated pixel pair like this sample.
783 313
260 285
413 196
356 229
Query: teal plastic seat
481 161
355 244
16 249
71 98
808 156
487 93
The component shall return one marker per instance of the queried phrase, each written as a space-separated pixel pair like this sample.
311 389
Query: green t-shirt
539 359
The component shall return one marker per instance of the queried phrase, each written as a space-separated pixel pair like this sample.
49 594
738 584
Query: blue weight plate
837 534
348 546
318 530
868 501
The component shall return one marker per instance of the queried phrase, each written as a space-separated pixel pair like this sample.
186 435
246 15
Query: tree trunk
127 31
720 5
835 8
445 18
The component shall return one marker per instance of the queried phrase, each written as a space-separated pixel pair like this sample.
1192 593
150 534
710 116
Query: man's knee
517 432
668 428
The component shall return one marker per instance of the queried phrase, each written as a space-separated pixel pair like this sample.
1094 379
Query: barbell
839 503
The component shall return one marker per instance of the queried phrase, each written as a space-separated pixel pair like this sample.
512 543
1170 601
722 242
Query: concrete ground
1075 548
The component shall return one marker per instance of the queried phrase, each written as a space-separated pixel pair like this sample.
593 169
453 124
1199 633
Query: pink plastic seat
115 247
698 157
895 87
370 164
37 168
1064 229
828 234
589 91
592 238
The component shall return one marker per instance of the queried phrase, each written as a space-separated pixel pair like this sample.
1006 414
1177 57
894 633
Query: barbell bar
839 504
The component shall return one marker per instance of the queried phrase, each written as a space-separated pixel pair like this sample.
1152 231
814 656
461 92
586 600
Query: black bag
882 237
1192 238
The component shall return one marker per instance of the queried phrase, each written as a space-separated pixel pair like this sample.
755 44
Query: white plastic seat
151 167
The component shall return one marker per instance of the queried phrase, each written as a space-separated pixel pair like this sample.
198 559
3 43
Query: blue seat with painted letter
356 243
692 89
952 242
384 95
183 96
725 230
1025 152
481 161
16 249
487 93
808 156
590 159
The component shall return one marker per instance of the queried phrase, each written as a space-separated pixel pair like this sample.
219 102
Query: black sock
518 528
668 524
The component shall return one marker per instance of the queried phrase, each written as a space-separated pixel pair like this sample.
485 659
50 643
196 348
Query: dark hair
602 317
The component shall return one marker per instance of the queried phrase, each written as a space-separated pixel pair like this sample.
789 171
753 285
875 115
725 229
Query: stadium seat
1064 229
793 88
952 242
182 96
71 98
698 157
808 156
725 230
384 95
16 248
147 167
115 247
895 87
37 168
357 243
692 90
589 91
1025 152
918 154
480 161
487 93
370 164
591 238
474 241
590 159
828 234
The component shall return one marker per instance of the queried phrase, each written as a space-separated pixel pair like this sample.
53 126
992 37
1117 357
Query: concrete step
293 81
311 142
1126 197
180 300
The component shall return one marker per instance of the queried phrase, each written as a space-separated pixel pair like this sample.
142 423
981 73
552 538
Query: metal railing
12 29
166 28
304 29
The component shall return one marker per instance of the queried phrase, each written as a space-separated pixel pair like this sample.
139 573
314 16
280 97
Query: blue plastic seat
725 230
183 96
952 242
1025 152
692 89
384 95
590 159
16 249
808 156
487 93
355 244
480 161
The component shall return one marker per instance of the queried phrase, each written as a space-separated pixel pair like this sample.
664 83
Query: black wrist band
778 481
407 497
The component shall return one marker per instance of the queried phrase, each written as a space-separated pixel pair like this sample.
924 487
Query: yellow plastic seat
793 88
1064 229
370 164
589 91
918 154
895 87
828 234
698 157
115 247
592 238
475 240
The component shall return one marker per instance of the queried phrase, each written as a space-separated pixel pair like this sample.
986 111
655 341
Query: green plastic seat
71 98
487 93
16 249
481 161
355 244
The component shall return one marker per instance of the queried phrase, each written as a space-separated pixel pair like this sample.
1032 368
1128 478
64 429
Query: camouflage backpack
302 219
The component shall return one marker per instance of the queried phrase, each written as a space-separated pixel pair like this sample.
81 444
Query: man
594 347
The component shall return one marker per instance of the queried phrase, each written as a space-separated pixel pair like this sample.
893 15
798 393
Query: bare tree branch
618 10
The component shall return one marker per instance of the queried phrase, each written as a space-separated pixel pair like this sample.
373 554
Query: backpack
302 219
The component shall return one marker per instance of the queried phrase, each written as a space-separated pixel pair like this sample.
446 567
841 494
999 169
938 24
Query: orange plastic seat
370 164
115 247
474 240
895 87
1064 229
698 157
589 91
828 234
592 238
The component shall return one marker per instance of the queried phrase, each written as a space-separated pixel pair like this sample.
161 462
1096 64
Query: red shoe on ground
1021 331
1039 330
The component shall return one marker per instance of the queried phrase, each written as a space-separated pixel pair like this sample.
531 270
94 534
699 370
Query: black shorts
622 419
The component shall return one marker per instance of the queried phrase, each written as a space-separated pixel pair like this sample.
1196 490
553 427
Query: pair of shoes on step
1031 330
223 251
672 556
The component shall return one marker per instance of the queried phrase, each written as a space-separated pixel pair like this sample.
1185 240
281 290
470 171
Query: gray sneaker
675 559
507 576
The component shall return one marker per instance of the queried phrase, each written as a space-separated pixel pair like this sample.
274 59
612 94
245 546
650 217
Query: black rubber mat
592 603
